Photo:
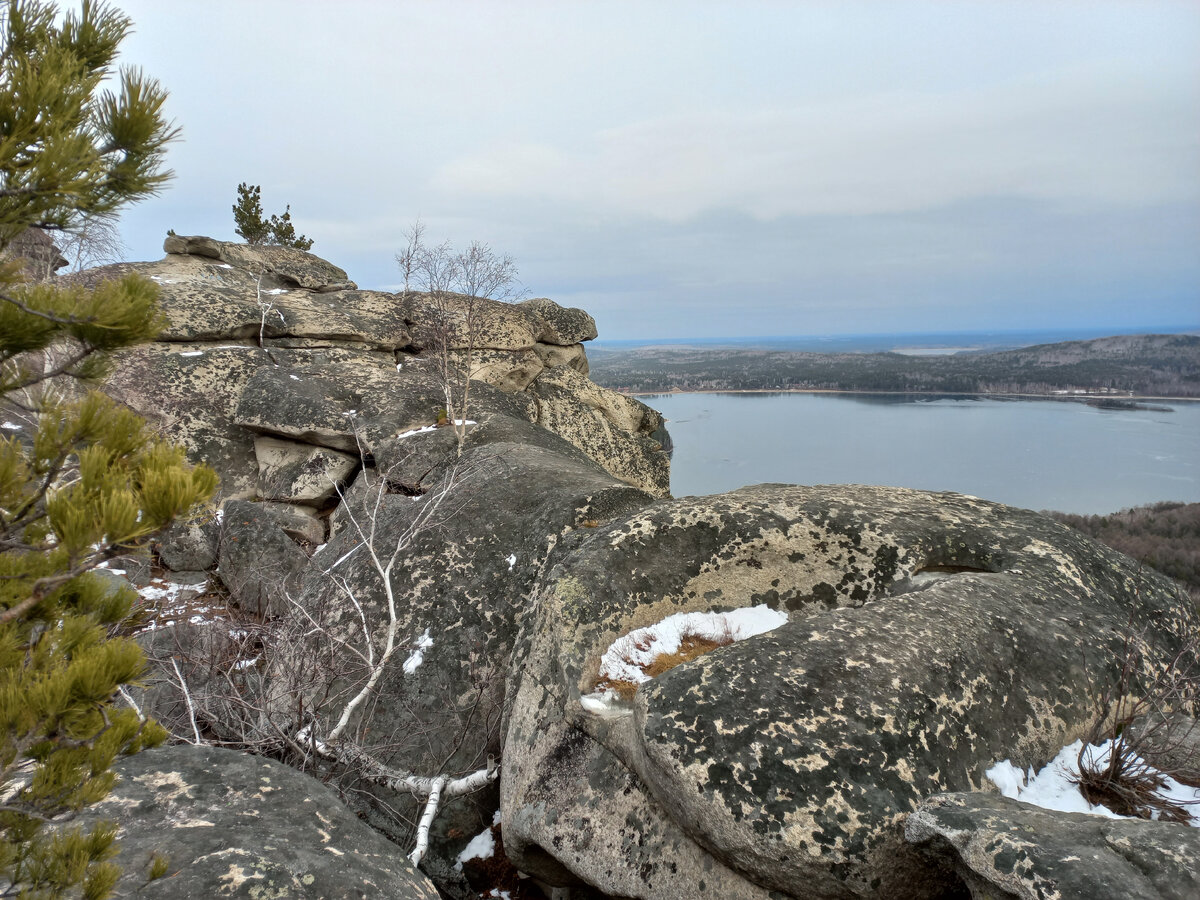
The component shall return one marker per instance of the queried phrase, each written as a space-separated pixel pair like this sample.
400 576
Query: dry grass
1129 788
1123 782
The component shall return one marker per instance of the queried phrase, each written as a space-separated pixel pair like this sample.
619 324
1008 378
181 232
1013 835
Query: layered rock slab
930 635
234 825
1007 849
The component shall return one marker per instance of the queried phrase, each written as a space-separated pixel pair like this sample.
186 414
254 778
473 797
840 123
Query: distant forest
1143 365
1163 535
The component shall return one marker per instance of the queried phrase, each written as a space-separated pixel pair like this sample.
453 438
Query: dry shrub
1150 726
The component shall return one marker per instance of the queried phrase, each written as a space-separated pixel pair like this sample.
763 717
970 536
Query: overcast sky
712 169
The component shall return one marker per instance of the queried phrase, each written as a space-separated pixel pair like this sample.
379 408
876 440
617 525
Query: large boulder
234 825
258 561
929 636
1005 850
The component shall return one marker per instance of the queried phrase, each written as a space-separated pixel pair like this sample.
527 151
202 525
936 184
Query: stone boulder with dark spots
1008 850
929 636
232 825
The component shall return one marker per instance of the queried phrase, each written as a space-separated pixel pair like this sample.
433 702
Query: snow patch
628 656
193 353
511 559
482 846
423 643
10 426
275 291
417 431
1054 788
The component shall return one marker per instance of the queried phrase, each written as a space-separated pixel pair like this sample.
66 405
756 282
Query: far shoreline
1132 398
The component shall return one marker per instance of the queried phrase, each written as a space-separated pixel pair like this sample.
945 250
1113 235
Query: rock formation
227 824
927 635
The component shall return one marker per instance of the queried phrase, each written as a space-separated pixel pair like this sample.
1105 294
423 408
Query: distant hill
1154 365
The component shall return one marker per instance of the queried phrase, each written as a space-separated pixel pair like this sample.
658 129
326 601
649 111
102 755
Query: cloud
1083 137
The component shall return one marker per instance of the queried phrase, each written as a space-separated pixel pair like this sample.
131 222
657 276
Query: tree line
1165 536
1150 365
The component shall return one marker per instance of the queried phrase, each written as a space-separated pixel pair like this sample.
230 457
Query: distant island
1124 366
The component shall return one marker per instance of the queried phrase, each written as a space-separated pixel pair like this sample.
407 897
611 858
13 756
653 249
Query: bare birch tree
458 285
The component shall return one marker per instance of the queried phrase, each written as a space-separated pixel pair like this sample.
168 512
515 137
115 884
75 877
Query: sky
712 169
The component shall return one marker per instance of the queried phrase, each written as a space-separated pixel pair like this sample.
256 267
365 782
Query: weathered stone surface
258 561
209 301
321 397
192 396
301 523
466 579
189 546
262 341
506 371
300 472
498 326
234 825
609 427
559 324
553 355
299 267
1007 849
929 636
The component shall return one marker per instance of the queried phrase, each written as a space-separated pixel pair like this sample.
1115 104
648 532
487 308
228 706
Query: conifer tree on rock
250 225
81 479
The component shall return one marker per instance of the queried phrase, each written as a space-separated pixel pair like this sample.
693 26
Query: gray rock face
1007 849
300 473
258 561
521 492
269 343
233 825
560 326
929 636
609 427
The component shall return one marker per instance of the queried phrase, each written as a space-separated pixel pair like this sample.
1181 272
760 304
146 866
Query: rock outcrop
1005 849
275 343
927 635
930 636
233 825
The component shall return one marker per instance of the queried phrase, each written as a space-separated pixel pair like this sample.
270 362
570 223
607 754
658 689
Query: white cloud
1083 137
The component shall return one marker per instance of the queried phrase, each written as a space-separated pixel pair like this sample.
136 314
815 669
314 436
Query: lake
1039 454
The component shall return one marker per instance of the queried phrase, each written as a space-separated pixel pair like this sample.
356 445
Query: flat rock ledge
1006 849
240 826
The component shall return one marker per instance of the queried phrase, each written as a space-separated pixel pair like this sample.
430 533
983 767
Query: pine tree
248 221
81 478
249 224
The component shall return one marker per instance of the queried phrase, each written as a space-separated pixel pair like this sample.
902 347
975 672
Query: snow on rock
10 426
511 559
482 846
423 643
628 656
1054 786
405 434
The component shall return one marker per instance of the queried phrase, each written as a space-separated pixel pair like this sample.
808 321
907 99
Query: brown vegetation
1164 536
691 646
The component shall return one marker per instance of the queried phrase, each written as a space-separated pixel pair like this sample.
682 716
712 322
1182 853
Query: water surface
1040 454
